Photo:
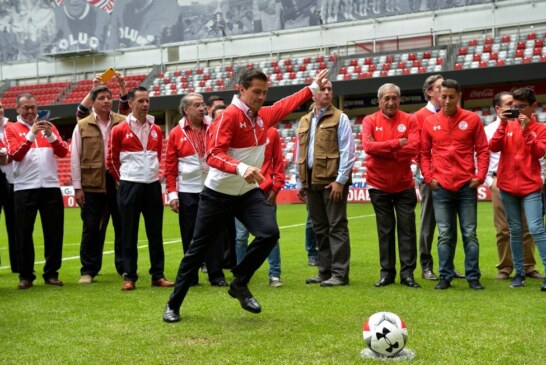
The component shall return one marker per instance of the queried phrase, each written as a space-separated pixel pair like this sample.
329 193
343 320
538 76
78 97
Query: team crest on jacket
463 125
153 134
242 125
401 128
129 135
260 122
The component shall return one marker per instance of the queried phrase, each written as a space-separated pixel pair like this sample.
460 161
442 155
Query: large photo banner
32 28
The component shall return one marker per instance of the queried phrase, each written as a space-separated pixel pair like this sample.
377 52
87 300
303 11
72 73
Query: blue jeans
448 205
310 239
532 206
241 243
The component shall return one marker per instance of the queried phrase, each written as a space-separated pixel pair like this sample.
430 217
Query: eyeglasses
28 107
520 106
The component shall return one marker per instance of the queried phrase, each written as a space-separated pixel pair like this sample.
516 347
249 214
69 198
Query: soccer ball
385 333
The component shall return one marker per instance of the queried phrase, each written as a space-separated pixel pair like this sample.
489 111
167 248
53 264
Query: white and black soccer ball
385 333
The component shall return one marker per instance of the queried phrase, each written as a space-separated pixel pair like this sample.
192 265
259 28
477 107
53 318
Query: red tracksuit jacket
448 147
273 167
388 164
519 166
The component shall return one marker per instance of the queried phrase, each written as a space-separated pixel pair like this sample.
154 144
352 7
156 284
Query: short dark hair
131 93
95 91
451 84
428 84
525 93
214 98
250 74
23 95
216 108
498 96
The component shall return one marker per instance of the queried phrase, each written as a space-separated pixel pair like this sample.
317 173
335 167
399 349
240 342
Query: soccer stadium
53 49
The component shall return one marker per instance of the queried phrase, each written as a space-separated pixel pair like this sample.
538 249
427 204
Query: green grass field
299 324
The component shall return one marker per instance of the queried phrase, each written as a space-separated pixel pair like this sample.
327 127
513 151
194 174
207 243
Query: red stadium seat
386 67
539 43
439 61
500 63
406 71
537 51
476 57
521 45
289 68
229 68
368 61
383 74
357 69
332 58
323 65
346 77
320 59
412 56
489 40
543 58
494 56
526 59
401 64
519 53
371 68
483 64
532 35
353 62
343 70
287 62
472 42
487 48
389 59
302 68
427 55
505 39
416 63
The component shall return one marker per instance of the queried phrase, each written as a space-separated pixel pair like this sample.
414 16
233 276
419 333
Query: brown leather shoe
534 275
24 284
128 285
502 276
163 282
54 281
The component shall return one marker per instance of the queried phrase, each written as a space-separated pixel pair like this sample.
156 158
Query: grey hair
185 102
428 84
383 87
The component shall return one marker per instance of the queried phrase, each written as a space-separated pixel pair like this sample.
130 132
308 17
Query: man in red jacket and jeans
235 152
449 141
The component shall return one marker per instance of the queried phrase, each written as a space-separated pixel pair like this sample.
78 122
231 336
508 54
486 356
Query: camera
512 113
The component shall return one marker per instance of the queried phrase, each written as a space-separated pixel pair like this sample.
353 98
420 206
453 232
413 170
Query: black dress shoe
170 315
409 282
219 283
384 282
429 275
442 284
475 285
458 275
248 302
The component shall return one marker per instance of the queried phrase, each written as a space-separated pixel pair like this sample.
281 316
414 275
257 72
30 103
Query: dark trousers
133 199
8 204
189 202
95 215
215 209
331 229
49 202
403 223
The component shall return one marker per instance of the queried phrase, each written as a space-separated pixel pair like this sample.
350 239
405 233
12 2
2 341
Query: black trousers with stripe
49 202
215 210
7 204
134 199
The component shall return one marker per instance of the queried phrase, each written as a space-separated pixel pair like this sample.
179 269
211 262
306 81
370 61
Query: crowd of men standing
231 167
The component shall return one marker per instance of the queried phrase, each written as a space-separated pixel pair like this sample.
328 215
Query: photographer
521 141
33 144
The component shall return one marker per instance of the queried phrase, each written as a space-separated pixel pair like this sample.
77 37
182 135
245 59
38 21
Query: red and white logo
463 125
401 128
153 134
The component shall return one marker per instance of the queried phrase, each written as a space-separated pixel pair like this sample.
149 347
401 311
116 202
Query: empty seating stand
82 88
45 94
200 80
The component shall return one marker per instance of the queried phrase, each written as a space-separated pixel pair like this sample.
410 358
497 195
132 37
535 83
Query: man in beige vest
94 187
325 156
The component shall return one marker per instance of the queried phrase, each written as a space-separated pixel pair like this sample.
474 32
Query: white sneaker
86 279
275 282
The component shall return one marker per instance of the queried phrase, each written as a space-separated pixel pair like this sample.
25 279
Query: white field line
168 242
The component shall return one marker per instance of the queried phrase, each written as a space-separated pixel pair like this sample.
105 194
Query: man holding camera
33 145
504 99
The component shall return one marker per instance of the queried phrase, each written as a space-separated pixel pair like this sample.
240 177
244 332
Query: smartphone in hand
44 114
108 74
